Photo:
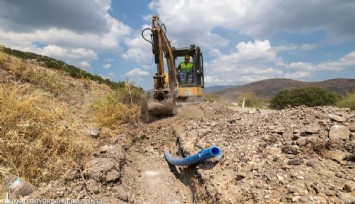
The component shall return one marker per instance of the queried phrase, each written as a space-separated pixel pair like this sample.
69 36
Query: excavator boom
165 86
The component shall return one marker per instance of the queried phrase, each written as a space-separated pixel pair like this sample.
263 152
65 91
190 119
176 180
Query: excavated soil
297 155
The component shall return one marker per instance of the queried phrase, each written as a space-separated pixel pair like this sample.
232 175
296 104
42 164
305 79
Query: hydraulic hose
202 155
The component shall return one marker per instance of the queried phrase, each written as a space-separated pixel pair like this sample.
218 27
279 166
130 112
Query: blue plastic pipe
196 158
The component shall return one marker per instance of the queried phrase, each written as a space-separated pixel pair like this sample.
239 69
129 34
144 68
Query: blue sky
242 40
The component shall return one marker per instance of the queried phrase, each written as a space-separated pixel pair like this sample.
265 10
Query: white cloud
289 47
298 75
247 56
82 32
137 75
346 61
111 75
139 50
106 66
248 63
213 80
137 72
253 61
254 18
67 53
78 56
214 52
85 64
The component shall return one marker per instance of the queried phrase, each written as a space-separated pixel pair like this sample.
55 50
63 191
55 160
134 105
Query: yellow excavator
172 84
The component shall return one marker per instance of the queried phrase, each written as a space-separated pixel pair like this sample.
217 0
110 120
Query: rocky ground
297 155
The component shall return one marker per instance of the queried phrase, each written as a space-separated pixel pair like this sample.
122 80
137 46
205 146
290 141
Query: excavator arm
165 85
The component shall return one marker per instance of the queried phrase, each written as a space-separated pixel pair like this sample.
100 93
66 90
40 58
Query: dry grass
34 141
43 118
116 114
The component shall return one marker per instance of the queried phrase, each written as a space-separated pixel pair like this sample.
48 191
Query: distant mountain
269 87
216 88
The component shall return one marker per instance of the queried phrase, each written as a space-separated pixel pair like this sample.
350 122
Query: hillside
269 87
55 64
48 117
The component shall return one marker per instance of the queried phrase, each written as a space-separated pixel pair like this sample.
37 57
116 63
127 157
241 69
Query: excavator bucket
162 108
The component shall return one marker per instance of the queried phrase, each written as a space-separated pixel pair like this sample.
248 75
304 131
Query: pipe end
215 151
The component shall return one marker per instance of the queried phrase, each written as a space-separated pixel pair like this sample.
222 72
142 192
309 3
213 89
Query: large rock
102 169
346 198
337 155
338 133
336 118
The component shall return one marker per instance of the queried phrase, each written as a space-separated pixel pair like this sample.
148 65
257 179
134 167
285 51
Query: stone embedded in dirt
336 117
94 132
98 168
312 163
330 192
72 175
120 193
77 189
290 150
278 130
338 133
310 129
240 177
295 161
346 198
349 186
352 127
302 141
107 149
93 186
113 175
337 155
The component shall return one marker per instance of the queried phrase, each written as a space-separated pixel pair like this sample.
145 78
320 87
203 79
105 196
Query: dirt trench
131 168
148 177
297 155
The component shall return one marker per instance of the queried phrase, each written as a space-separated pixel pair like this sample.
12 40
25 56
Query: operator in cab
185 70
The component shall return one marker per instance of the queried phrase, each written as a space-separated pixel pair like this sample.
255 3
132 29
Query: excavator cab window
185 69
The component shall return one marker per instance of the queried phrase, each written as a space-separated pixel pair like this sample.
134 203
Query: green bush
347 101
130 95
308 96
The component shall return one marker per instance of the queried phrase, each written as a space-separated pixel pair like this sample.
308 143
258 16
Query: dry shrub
34 142
116 113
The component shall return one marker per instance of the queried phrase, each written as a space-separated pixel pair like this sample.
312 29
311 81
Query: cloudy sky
242 40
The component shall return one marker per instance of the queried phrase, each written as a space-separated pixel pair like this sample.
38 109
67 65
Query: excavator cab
189 84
